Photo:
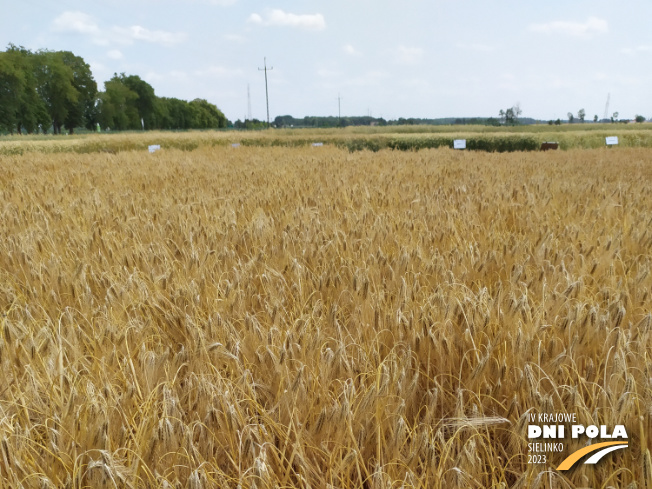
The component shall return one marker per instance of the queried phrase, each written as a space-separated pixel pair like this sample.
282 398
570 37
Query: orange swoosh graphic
575 456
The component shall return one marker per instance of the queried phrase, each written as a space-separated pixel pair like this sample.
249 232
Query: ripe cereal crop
275 317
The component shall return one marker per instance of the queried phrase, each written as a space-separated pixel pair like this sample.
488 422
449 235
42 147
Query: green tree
80 112
146 102
517 112
510 116
56 87
595 118
180 115
581 115
206 115
161 115
12 86
21 107
117 106
639 118
284 121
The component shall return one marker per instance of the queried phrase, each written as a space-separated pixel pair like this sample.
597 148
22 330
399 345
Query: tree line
55 90
286 121
327 121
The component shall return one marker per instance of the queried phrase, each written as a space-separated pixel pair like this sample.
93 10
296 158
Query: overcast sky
414 58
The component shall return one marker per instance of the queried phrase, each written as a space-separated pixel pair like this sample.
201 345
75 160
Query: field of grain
312 317
353 138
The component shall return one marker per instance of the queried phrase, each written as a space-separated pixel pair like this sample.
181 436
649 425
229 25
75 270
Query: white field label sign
612 140
317 144
235 145
154 147
459 144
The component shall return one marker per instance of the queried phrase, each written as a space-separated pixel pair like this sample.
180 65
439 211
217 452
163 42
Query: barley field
316 318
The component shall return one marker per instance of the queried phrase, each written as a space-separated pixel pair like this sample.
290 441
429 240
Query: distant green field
406 138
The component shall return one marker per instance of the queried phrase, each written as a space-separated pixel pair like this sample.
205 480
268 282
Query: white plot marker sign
317 145
154 147
459 144
235 145
611 140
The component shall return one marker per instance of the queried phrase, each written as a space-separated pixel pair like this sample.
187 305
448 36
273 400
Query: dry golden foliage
315 318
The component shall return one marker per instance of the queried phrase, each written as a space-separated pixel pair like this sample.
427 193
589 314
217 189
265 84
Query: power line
266 91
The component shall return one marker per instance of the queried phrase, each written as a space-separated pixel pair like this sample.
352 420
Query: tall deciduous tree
517 111
21 107
180 114
55 86
117 106
511 115
145 104
56 89
80 111
206 115
12 85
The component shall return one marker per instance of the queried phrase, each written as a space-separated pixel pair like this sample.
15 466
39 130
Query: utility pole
339 111
248 103
266 92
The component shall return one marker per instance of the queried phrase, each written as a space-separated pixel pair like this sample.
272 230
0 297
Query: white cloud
255 19
277 17
138 33
408 55
75 22
350 50
114 54
592 26
80 23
